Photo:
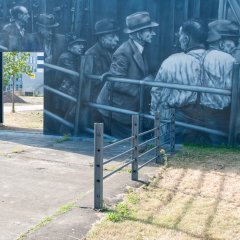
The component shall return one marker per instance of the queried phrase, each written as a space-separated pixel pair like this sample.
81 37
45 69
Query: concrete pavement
40 176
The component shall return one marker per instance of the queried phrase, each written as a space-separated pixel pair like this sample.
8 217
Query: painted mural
95 50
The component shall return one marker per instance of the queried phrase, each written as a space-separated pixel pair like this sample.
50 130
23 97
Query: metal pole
232 136
98 165
135 126
172 131
157 135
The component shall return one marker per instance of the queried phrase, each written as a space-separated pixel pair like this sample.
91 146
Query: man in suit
100 54
128 61
99 58
15 37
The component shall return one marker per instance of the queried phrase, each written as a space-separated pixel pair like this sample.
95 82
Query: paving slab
38 176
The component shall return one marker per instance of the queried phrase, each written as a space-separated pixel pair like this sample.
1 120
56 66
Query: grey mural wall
175 41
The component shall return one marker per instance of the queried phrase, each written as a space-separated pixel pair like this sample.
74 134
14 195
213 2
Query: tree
15 64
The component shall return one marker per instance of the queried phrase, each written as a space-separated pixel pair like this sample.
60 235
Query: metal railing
234 93
99 149
82 101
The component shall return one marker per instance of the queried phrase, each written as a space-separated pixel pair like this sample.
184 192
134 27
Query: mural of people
128 62
46 26
16 37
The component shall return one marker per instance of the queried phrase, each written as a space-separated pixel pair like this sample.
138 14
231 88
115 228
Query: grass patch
18 150
66 137
62 210
195 197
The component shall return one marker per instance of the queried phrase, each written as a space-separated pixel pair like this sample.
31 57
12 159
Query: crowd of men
207 57
208 52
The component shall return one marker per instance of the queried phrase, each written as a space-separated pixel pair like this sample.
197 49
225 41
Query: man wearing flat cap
229 32
99 57
128 61
217 73
71 59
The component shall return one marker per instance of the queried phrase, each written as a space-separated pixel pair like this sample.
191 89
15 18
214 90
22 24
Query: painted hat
105 26
78 40
213 36
138 21
225 28
47 20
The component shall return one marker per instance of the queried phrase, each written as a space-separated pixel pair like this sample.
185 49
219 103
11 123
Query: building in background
26 85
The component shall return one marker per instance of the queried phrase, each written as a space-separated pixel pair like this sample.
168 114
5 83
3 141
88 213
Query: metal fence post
98 165
235 102
135 129
157 135
172 130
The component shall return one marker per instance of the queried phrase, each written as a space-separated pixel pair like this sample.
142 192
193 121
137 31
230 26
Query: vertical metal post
172 130
98 165
157 135
1 89
135 126
235 102
141 104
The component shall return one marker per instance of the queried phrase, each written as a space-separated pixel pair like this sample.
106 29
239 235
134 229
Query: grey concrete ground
39 176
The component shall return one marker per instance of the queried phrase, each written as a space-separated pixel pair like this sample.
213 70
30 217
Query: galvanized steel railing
99 149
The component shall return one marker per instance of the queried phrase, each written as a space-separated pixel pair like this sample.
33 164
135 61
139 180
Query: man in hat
99 57
229 32
100 54
217 73
52 44
128 61
47 40
182 68
15 37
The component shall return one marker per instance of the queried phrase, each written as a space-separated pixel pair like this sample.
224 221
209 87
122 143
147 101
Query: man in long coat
128 61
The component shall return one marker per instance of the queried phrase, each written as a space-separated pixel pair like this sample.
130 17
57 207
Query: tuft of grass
133 198
63 209
66 137
114 217
18 150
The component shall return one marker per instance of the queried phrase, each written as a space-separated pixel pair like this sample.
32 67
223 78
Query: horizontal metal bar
189 88
143 165
145 153
166 123
109 108
117 156
165 143
165 85
146 142
146 132
202 129
118 142
114 109
118 169
56 117
61 69
57 92
90 130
